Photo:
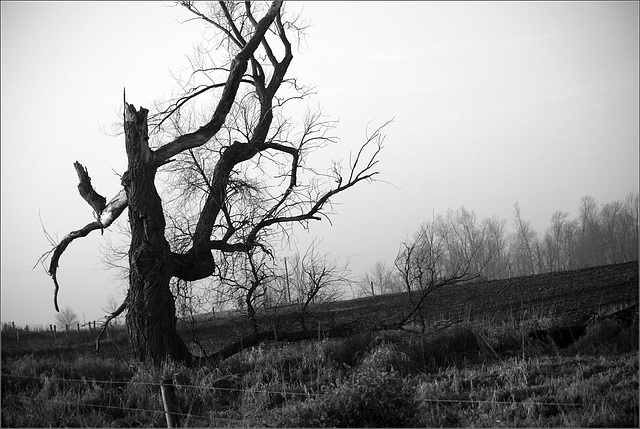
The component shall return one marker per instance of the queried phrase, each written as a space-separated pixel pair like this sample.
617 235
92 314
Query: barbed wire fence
175 416
167 389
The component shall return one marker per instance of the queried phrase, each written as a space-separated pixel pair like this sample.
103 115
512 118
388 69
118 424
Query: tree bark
151 319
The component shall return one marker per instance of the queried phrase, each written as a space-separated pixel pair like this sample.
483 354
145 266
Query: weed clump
609 336
375 395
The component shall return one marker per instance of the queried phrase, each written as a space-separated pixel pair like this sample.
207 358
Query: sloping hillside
565 296
568 295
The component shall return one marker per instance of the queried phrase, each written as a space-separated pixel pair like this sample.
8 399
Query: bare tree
267 155
66 317
248 276
382 277
570 243
552 243
523 245
610 220
379 280
630 225
466 239
591 252
316 280
498 265
438 255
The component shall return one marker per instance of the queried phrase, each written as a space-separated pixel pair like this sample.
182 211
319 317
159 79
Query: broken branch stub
95 200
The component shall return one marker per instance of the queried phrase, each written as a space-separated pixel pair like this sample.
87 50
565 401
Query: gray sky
493 103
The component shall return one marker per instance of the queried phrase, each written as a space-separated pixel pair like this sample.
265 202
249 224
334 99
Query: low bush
375 395
609 336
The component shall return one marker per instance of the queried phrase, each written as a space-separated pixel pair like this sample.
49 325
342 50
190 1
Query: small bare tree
379 280
316 280
248 276
443 252
524 244
66 317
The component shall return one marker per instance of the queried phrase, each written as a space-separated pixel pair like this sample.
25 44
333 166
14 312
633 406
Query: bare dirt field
567 295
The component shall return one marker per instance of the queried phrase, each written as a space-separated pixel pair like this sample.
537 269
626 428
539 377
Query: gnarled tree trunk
151 319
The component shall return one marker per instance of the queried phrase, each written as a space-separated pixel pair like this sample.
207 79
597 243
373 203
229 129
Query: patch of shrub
385 357
346 351
370 397
609 337
451 347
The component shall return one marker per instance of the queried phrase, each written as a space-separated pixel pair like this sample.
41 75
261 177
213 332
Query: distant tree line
447 249
459 246
600 235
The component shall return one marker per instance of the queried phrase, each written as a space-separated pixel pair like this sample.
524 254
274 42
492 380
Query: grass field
481 371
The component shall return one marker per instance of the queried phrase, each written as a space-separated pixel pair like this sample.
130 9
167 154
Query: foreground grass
478 375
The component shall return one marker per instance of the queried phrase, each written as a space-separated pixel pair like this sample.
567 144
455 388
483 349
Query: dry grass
481 374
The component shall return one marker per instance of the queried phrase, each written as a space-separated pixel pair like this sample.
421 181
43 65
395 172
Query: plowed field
567 296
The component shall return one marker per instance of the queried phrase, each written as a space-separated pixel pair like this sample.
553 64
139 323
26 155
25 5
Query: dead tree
250 86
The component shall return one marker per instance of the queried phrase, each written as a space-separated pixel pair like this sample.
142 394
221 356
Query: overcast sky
493 103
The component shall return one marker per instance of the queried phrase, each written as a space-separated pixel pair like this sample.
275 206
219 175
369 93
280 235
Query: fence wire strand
307 394
113 407
157 384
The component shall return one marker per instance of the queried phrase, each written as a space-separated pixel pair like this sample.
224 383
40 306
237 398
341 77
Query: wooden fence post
54 332
170 402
